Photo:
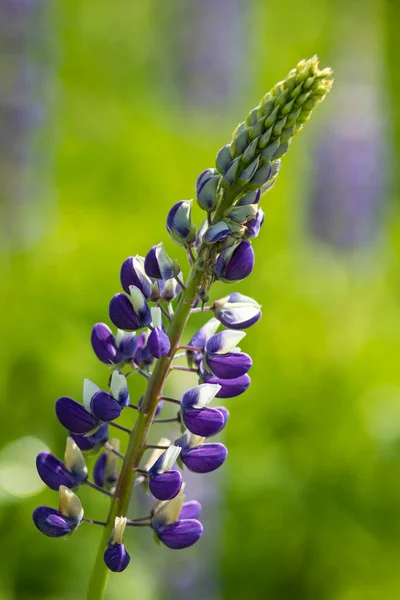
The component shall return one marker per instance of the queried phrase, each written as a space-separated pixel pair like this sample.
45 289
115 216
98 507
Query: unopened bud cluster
153 303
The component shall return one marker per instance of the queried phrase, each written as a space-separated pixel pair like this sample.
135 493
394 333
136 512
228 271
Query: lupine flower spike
150 313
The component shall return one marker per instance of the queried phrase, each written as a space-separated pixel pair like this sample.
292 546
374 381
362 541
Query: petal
90 442
204 458
204 421
181 534
133 273
103 343
51 522
190 510
230 388
158 343
166 485
116 558
229 366
122 314
104 407
73 416
224 341
53 471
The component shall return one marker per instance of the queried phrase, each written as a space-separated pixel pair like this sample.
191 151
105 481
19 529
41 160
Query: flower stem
138 436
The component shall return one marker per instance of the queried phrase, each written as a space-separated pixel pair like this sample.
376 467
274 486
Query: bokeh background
108 112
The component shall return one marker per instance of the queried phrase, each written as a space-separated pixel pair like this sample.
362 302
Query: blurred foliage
311 490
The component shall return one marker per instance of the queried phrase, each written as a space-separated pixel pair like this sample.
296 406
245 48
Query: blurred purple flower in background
351 164
24 77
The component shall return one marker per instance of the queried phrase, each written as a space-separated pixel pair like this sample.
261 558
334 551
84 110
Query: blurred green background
108 112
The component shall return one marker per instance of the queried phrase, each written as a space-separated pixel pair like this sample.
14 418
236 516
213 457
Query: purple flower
104 408
165 486
130 313
235 263
253 227
58 523
165 483
228 366
74 417
103 343
93 441
158 343
181 534
179 223
54 473
133 273
198 418
158 264
116 557
200 339
237 311
203 421
205 458
229 388
51 522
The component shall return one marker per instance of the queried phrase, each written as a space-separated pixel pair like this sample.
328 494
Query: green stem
138 437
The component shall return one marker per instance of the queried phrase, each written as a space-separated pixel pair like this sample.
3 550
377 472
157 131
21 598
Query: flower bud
53 472
158 342
205 458
180 534
207 189
253 226
52 523
116 556
224 159
158 264
216 233
252 197
261 176
74 417
179 223
103 343
228 366
104 407
237 311
235 263
133 273
165 483
170 289
242 214
129 313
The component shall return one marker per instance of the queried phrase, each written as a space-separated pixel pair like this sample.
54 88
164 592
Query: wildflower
198 456
165 482
133 273
237 311
195 414
62 522
235 263
179 223
116 556
112 349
